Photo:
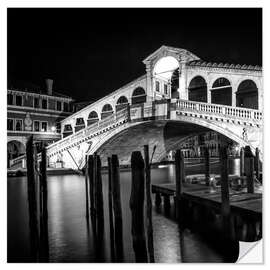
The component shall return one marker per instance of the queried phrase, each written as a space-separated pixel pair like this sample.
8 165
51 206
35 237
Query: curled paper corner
250 252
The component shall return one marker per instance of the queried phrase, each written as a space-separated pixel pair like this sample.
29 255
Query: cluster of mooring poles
37 203
141 209
213 212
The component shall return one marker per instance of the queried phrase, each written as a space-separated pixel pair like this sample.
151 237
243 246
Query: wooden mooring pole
242 161
110 202
91 177
257 163
137 207
32 201
99 196
249 169
179 180
117 209
98 215
207 165
44 235
149 225
225 195
86 189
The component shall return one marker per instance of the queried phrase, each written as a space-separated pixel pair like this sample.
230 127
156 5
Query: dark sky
91 52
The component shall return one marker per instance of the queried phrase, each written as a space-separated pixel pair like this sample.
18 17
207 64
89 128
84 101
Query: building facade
37 114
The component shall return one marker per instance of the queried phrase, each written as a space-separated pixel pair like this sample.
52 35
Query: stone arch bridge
164 124
180 95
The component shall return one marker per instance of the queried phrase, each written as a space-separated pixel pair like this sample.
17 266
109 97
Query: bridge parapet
88 132
222 110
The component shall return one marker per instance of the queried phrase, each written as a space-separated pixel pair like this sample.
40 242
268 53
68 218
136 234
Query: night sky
92 52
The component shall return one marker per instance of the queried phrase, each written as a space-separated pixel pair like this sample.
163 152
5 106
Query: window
44 126
58 127
18 100
18 126
10 99
44 103
36 125
58 105
10 124
66 107
166 89
157 86
36 102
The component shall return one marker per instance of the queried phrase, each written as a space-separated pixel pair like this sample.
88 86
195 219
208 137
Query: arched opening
138 96
107 110
175 84
166 78
197 89
67 130
79 124
14 150
247 95
121 103
92 118
221 92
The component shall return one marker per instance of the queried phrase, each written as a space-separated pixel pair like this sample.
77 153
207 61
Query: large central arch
166 135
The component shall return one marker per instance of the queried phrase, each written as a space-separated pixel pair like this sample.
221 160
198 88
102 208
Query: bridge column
233 99
183 89
149 82
208 95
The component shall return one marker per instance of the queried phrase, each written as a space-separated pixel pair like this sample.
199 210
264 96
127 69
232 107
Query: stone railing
95 128
222 110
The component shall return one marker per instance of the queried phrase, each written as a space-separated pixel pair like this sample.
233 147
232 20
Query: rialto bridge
179 96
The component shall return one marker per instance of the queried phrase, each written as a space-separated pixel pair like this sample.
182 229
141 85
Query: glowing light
165 67
53 128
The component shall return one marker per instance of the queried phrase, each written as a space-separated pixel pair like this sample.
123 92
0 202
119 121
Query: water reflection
71 238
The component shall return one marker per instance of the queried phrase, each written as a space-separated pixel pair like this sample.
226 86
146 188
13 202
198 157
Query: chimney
49 84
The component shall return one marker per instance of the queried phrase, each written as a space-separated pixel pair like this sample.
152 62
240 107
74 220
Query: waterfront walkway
209 196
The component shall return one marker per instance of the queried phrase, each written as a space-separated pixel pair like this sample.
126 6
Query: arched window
15 149
221 92
79 124
121 103
138 96
67 130
18 125
92 118
107 110
247 95
197 89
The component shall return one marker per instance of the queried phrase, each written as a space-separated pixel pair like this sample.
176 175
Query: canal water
71 240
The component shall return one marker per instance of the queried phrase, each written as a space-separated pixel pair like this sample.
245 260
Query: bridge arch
247 94
107 110
166 77
138 96
80 124
68 130
121 103
197 89
221 91
15 148
132 137
92 118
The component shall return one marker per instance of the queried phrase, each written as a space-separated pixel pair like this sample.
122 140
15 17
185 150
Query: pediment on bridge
180 54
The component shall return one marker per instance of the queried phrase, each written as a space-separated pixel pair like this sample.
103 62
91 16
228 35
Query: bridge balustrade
224 110
94 128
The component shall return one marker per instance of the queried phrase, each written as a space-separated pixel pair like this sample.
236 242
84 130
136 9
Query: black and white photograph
134 135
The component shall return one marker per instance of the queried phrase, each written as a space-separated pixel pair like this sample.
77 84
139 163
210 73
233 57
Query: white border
138 3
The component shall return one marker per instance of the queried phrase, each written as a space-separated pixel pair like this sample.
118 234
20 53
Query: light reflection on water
70 240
